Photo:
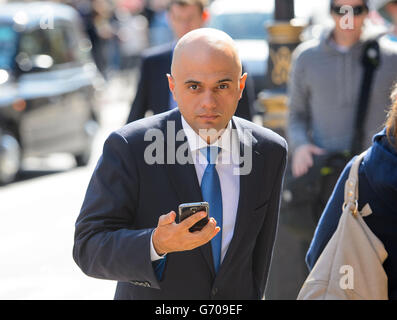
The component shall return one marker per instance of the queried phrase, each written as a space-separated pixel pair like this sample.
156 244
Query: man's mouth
208 116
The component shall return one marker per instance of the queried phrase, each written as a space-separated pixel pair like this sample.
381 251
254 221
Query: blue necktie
158 266
211 192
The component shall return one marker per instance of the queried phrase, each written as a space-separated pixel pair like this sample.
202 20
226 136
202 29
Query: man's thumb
167 218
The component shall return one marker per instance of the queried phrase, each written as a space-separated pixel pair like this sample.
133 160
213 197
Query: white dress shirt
229 180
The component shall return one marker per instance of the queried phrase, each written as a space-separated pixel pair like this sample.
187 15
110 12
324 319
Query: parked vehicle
47 85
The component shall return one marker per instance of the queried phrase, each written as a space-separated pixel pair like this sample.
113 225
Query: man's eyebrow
225 80
192 81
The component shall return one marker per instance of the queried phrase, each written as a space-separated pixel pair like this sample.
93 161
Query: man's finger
193 219
206 234
211 228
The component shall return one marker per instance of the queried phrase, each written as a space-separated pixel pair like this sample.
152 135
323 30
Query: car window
242 26
77 42
61 50
34 43
8 46
34 50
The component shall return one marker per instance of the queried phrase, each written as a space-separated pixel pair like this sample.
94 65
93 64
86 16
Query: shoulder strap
370 60
351 184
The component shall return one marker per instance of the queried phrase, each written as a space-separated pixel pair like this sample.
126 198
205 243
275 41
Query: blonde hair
391 121
202 4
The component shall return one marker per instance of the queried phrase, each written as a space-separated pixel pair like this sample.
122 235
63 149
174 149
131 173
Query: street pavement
39 210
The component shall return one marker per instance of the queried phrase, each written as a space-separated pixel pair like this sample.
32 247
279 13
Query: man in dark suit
151 166
153 94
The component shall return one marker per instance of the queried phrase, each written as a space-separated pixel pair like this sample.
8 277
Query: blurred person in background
377 188
102 28
388 10
132 32
318 103
160 31
324 94
106 25
153 94
85 9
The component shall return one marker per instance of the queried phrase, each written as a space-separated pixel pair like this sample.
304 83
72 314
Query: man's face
341 21
391 9
207 86
185 18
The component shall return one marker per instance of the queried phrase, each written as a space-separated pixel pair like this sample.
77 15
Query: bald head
206 80
205 43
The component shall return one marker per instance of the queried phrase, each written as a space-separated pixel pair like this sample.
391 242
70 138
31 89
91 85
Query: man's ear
171 83
205 16
243 79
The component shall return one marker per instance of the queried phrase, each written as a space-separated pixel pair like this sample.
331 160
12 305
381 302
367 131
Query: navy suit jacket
126 196
153 92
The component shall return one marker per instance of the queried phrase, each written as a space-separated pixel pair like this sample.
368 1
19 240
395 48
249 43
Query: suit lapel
247 197
183 177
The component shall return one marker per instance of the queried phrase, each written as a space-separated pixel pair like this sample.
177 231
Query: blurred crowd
121 29
118 30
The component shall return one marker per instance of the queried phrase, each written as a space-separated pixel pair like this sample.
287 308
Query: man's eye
223 86
193 86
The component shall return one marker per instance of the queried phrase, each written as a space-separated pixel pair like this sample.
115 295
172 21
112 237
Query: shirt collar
227 141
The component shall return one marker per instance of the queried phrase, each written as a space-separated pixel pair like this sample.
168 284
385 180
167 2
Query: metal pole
284 10
283 37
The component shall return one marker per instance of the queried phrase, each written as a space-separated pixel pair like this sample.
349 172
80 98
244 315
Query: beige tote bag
351 264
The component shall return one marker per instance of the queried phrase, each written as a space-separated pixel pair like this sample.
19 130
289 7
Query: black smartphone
187 209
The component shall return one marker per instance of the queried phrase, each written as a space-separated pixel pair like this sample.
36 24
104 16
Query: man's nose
208 100
187 27
191 25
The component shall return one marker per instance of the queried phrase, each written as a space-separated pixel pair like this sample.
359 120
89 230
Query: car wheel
83 158
10 157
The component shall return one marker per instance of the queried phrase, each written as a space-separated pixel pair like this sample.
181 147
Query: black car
47 85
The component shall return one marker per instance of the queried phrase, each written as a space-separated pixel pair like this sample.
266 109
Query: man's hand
170 236
302 159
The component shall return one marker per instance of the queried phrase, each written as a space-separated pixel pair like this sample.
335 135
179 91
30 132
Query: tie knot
210 153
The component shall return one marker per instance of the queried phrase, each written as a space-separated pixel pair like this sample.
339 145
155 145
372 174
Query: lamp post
284 10
284 35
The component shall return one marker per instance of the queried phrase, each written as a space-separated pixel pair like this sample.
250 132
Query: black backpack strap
370 61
